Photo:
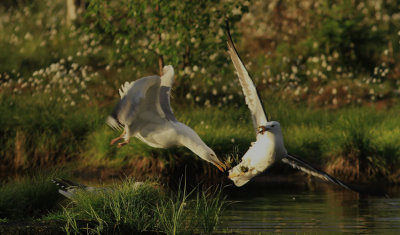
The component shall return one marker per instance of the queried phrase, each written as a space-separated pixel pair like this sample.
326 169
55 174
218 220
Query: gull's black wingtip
227 26
228 33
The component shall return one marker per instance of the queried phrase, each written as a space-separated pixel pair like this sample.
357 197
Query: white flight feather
125 88
249 90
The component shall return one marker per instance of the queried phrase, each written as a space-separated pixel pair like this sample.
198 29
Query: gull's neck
189 138
277 141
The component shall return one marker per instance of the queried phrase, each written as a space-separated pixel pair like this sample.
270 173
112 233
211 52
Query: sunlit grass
38 132
36 135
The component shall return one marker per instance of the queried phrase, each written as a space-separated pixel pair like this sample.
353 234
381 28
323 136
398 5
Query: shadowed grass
28 197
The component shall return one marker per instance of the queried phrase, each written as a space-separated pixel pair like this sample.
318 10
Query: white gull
144 112
269 147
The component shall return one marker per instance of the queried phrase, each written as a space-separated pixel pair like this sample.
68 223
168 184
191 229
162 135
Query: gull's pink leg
113 141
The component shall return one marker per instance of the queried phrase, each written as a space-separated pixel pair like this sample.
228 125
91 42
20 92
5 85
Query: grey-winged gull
68 188
269 147
144 111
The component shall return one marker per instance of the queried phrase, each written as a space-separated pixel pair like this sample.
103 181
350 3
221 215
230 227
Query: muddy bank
30 227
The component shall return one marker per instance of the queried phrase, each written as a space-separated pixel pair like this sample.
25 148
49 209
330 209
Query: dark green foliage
28 197
183 33
343 29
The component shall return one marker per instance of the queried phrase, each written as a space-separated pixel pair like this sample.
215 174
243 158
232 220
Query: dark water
289 208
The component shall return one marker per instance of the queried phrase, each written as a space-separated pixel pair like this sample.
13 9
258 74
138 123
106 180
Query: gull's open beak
262 129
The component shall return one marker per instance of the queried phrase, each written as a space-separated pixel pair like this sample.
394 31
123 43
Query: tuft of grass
184 214
210 204
125 207
145 207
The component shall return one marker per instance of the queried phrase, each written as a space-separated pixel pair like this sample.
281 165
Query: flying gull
269 147
144 112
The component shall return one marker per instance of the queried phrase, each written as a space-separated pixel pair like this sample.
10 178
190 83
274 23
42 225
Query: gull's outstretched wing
309 169
253 100
165 92
143 94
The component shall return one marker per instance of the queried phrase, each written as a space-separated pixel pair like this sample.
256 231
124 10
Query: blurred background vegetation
331 68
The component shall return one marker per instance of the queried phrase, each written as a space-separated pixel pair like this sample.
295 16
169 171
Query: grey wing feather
68 188
309 169
253 100
165 93
125 111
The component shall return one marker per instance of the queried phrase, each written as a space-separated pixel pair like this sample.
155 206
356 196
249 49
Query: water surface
284 207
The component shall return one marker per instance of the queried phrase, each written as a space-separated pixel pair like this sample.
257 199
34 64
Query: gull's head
216 162
208 154
272 126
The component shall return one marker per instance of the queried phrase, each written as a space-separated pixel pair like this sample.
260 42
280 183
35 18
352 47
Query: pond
289 208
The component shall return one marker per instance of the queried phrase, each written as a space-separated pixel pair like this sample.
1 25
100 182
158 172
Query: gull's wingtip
306 167
229 41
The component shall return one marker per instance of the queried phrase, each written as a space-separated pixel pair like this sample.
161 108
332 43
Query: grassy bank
359 143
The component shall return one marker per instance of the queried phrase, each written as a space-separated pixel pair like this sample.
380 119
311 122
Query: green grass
127 207
36 136
38 132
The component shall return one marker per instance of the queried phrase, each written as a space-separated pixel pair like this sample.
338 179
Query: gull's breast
261 154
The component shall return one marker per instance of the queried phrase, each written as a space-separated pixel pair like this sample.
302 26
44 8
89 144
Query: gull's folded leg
113 141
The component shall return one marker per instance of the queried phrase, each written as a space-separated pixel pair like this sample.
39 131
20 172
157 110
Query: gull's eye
272 125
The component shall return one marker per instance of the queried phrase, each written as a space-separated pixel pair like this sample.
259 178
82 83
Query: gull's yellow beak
221 166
